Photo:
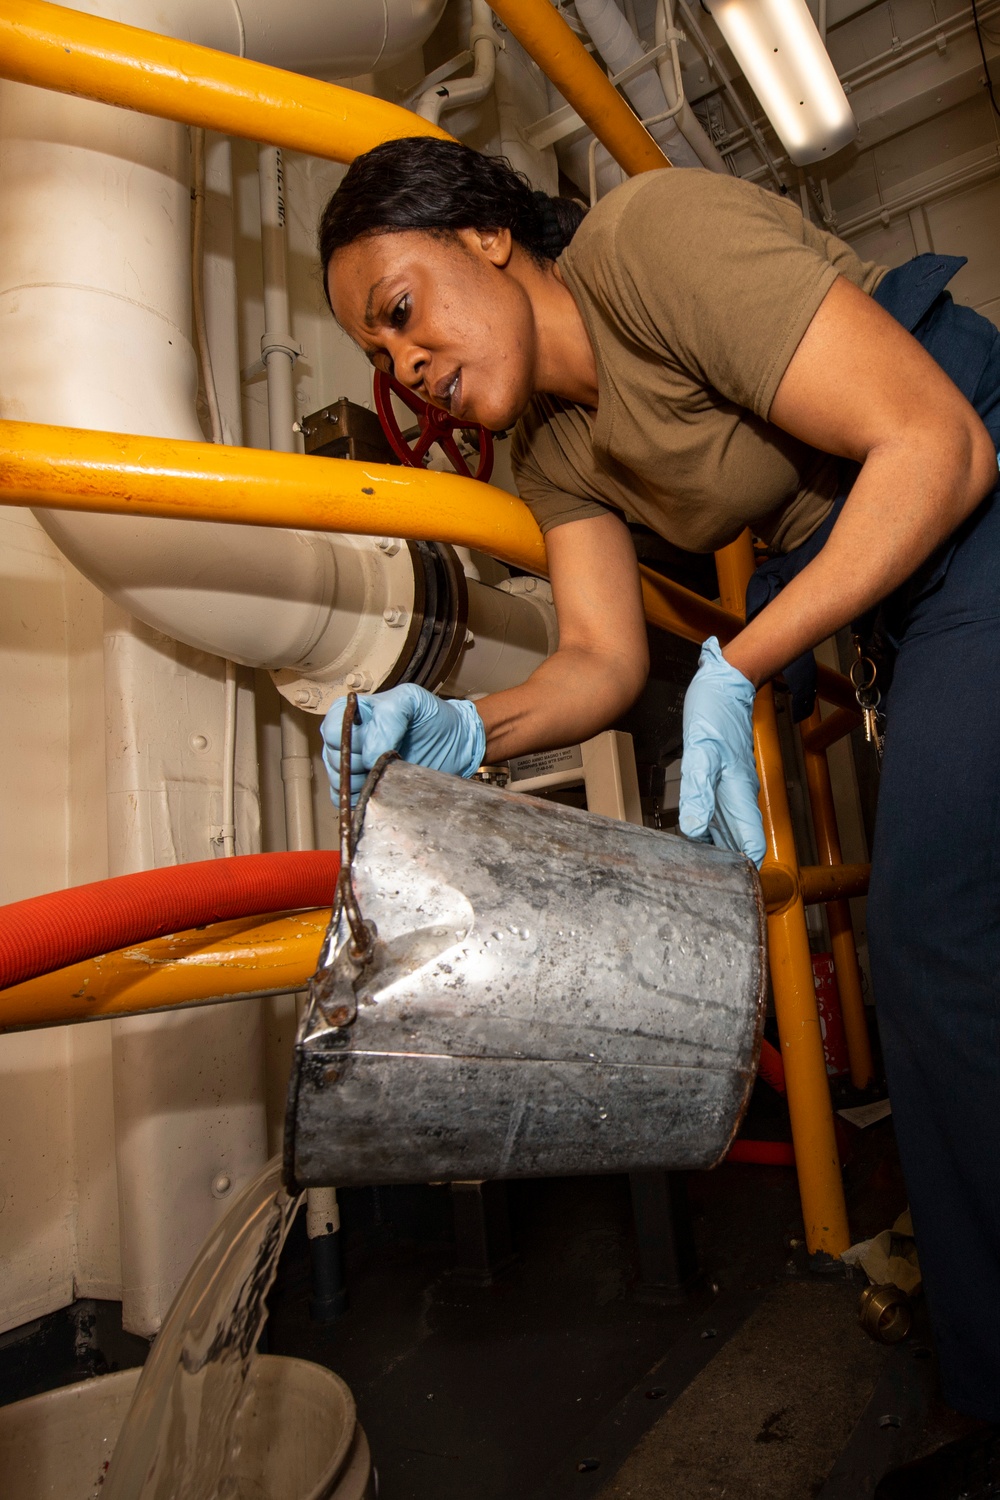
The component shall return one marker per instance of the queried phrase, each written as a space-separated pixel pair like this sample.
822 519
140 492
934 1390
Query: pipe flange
387 599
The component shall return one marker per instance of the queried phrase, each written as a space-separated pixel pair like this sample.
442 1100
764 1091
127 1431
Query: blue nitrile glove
719 783
445 735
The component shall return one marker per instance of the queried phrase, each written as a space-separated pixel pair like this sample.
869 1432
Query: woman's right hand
445 735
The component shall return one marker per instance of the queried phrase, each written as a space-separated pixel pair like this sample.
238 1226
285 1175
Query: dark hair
421 182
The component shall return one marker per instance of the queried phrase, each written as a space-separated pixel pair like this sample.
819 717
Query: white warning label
527 767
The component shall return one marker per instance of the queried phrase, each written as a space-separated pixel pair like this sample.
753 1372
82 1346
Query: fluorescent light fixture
777 45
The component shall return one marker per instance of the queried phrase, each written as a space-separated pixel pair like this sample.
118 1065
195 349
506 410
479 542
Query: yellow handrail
73 53
229 961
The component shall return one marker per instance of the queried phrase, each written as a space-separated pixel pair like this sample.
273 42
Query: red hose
763 1153
66 927
771 1068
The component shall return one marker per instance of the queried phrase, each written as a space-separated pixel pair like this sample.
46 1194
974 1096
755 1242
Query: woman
699 358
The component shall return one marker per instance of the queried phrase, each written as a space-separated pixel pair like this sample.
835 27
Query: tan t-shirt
696 289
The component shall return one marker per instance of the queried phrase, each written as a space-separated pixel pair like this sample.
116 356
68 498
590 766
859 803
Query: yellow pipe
816 884
817 1163
70 468
822 883
563 58
228 961
819 733
838 912
57 48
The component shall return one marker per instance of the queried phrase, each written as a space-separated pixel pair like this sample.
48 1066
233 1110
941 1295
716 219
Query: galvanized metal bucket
546 993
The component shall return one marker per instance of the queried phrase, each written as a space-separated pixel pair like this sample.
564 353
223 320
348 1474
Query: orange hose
66 927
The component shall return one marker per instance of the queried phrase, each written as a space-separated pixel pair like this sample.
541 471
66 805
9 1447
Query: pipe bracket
279 343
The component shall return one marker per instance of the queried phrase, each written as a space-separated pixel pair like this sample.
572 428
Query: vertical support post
817 1164
668 1258
838 913
482 1231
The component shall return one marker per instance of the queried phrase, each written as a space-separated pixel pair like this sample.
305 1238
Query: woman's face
449 315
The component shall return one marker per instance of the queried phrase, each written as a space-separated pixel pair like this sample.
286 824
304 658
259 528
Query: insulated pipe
817 1160
74 470
243 960
57 48
67 927
620 48
563 58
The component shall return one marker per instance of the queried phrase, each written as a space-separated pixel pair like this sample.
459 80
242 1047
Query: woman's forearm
573 695
907 499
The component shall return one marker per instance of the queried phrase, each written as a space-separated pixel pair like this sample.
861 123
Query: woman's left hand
719 785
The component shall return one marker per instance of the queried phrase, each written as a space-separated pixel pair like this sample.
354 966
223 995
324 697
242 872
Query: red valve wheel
436 426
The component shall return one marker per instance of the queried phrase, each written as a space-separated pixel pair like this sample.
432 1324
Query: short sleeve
712 273
544 477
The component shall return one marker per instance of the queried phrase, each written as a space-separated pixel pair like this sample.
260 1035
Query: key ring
862 662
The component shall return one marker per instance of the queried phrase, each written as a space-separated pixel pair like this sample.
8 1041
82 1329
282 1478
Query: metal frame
56 48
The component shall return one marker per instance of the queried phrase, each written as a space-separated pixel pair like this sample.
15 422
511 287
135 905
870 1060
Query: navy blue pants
934 945
934 901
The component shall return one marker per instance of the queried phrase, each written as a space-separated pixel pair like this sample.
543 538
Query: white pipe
690 126
198 283
942 187
227 833
804 197
296 780
219 283
278 349
485 44
511 630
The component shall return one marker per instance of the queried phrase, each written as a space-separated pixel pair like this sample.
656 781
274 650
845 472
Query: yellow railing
66 50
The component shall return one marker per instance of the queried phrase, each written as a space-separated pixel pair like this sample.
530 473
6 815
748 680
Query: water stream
178 1436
